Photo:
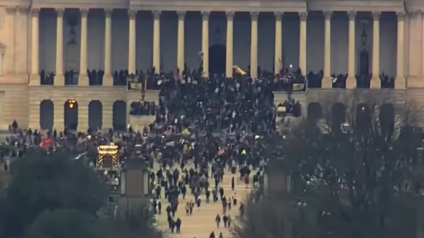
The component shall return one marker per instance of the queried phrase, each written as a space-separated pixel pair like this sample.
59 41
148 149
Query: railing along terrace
95 77
286 81
71 77
46 78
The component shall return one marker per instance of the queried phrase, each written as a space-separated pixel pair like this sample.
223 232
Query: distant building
59 36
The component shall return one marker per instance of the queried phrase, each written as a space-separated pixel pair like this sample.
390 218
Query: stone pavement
202 222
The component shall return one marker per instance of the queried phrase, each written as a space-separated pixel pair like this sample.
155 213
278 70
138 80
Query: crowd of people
203 126
95 77
143 108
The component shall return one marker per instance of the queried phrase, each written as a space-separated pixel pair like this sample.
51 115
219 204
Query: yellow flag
239 71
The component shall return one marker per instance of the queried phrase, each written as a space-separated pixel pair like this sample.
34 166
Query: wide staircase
202 222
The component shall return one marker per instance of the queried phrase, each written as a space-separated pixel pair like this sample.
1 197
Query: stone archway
46 115
387 119
95 114
362 118
217 59
338 116
71 115
119 115
314 113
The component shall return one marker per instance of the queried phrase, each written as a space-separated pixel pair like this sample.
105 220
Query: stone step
139 122
202 221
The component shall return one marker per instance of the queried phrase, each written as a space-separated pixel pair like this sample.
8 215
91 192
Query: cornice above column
23 9
108 11
156 14
84 12
230 15
376 16
351 15
181 15
303 16
89 4
357 6
401 16
132 14
254 16
414 7
60 12
205 16
220 6
11 9
35 12
328 15
278 15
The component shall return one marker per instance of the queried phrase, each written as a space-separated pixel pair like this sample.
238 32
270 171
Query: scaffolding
107 158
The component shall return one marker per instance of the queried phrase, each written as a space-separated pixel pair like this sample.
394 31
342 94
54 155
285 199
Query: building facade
110 35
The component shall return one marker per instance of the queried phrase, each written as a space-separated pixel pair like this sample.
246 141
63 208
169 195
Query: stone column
156 41
278 55
181 32
59 78
302 49
351 80
326 82
400 64
83 78
254 46
229 59
420 23
375 80
205 43
83 115
415 50
108 80
35 76
59 115
107 115
132 42
22 61
34 115
11 14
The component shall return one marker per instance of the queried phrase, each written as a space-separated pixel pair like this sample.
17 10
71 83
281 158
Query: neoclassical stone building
110 35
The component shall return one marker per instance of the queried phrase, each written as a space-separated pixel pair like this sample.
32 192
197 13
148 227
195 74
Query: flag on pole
238 71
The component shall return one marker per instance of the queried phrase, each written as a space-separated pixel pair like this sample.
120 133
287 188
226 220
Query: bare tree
353 169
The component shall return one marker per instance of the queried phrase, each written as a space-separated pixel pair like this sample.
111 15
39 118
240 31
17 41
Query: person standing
217 220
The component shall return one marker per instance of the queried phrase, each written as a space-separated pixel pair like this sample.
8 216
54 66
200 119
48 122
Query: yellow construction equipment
108 157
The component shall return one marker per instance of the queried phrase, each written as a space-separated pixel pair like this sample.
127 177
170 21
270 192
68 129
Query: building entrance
217 59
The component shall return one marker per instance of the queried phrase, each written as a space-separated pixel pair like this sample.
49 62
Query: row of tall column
83 78
351 83
352 51
375 81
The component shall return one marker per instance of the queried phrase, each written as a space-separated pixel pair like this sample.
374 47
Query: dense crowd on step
216 101
149 79
218 104
192 175
143 108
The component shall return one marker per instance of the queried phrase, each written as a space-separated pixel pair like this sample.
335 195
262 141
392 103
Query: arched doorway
387 119
363 118
95 114
217 59
119 115
71 115
338 116
314 113
46 115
